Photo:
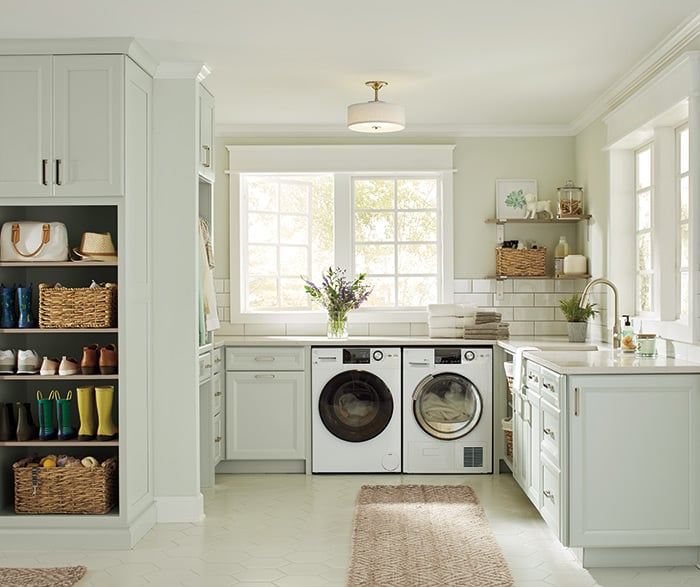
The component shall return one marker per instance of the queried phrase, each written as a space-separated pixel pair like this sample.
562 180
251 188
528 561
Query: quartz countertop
609 362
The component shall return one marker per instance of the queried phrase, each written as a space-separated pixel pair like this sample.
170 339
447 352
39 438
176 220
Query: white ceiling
286 65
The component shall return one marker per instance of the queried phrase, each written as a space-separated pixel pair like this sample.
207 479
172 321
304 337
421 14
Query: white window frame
682 269
647 231
344 161
652 114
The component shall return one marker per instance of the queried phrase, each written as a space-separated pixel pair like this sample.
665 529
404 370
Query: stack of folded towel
450 320
486 325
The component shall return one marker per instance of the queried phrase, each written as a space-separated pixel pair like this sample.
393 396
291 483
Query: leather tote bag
27 241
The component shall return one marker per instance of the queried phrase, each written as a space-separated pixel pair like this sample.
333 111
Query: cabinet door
534 461
206 134
25 123
633 447
522 441
88 138
265 415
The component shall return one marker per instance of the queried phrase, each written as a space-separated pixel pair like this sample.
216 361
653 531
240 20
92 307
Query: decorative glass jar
570 200
337 325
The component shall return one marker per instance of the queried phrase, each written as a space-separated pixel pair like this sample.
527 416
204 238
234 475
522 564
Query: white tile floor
294 530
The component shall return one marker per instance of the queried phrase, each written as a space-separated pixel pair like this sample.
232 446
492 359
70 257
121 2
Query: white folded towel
451 310
446 332
450 321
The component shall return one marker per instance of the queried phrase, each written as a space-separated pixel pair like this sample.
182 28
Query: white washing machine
448 410
356 410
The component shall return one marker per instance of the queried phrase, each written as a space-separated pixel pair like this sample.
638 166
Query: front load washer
356 410
448 410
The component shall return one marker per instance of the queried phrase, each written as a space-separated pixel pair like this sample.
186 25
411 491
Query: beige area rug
44 577
424 536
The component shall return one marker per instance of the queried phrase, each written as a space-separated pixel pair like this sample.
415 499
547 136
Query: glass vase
337 326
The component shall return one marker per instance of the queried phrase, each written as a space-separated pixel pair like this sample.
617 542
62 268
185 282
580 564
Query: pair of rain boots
95 405
24 429
63 430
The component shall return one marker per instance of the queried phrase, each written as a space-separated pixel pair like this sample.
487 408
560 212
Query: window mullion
343 221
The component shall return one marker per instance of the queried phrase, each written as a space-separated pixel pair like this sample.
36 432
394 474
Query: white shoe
8 361
28 361
49 367
69 366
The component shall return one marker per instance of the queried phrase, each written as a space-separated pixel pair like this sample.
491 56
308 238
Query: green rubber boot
47 431
65 430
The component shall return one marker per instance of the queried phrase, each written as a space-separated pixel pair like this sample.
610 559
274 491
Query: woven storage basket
521 262
507 424
77 307
65 490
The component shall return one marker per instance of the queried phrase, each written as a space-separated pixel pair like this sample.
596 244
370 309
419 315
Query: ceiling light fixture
376 116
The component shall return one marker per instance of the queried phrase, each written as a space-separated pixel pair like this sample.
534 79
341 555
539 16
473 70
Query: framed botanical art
510 196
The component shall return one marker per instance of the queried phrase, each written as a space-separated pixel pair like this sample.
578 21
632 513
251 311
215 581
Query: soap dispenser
627 342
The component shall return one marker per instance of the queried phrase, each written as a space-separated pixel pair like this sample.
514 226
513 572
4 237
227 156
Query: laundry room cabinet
66 122
266 403
62 121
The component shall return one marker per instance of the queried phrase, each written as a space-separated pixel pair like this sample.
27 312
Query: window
380 210
683 187
396 239
645 242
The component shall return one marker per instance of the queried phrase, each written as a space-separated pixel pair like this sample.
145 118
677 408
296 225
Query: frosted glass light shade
376 117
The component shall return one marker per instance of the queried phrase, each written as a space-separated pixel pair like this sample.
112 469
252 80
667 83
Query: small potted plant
577 317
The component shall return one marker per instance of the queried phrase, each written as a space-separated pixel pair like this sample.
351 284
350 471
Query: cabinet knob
218 439
217 394
548 494
549 432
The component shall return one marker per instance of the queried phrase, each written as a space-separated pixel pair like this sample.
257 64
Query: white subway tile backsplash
389 329
549 299
522 329
264 330
533 314
462 285
533 285
550 329
478 299
515 299
222 300
484 285
306 329
564 286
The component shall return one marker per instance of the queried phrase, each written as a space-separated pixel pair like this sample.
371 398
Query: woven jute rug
43 577
424 536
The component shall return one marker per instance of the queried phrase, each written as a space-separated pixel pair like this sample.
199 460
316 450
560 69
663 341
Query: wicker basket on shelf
507 425
77 307
65 490
521 262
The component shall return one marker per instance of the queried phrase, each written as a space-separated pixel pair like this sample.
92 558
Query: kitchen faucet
616 318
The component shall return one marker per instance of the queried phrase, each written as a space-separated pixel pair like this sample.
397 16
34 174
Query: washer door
355 406
447 405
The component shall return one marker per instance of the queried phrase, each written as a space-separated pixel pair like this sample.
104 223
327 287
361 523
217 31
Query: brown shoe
88 364
108 359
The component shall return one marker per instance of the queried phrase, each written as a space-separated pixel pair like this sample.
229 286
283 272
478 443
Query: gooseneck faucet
616 318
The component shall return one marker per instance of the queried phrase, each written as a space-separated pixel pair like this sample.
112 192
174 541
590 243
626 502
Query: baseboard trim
180 509
232 467
658 556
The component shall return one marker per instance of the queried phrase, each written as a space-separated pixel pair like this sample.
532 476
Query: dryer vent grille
473 457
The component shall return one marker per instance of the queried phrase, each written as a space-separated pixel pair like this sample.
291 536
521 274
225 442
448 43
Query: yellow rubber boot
104 398
86 411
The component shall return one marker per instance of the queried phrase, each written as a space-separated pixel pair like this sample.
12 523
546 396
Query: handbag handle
45 236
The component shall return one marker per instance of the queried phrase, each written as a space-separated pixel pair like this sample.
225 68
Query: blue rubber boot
24 297
8 318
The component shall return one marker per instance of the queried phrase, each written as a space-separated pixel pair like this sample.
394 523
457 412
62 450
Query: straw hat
96 246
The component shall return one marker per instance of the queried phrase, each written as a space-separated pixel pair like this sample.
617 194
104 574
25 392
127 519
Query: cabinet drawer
217 360
550 385
264 359
532 376
217 399
204 367
550 495
550 441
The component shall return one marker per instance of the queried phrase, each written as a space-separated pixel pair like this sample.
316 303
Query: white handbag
27 241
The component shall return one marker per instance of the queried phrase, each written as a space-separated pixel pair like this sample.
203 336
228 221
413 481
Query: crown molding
182 70
336 131
645 70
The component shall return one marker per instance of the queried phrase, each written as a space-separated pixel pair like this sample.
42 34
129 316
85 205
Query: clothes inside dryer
355 406
447 405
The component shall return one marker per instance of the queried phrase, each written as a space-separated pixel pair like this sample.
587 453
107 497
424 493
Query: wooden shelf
56 330
554 220
39 377
59 264
564 277
64 443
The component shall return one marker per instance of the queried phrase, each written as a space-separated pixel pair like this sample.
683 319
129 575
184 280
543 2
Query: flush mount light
376 116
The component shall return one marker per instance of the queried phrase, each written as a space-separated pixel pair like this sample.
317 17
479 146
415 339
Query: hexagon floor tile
294 530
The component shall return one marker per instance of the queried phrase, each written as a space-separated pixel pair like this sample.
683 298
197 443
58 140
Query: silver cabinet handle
549 432
265 359
44 165
207 365
58 171
548 386
265 376
577 411
548 494
207 156
218 439
217 394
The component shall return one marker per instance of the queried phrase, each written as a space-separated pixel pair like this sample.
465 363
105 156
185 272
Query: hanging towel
207 297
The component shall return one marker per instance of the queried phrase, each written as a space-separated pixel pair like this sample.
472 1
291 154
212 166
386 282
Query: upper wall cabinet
62 121
206 134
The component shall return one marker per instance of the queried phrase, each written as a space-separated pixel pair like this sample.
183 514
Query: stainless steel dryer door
355 406
447 405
